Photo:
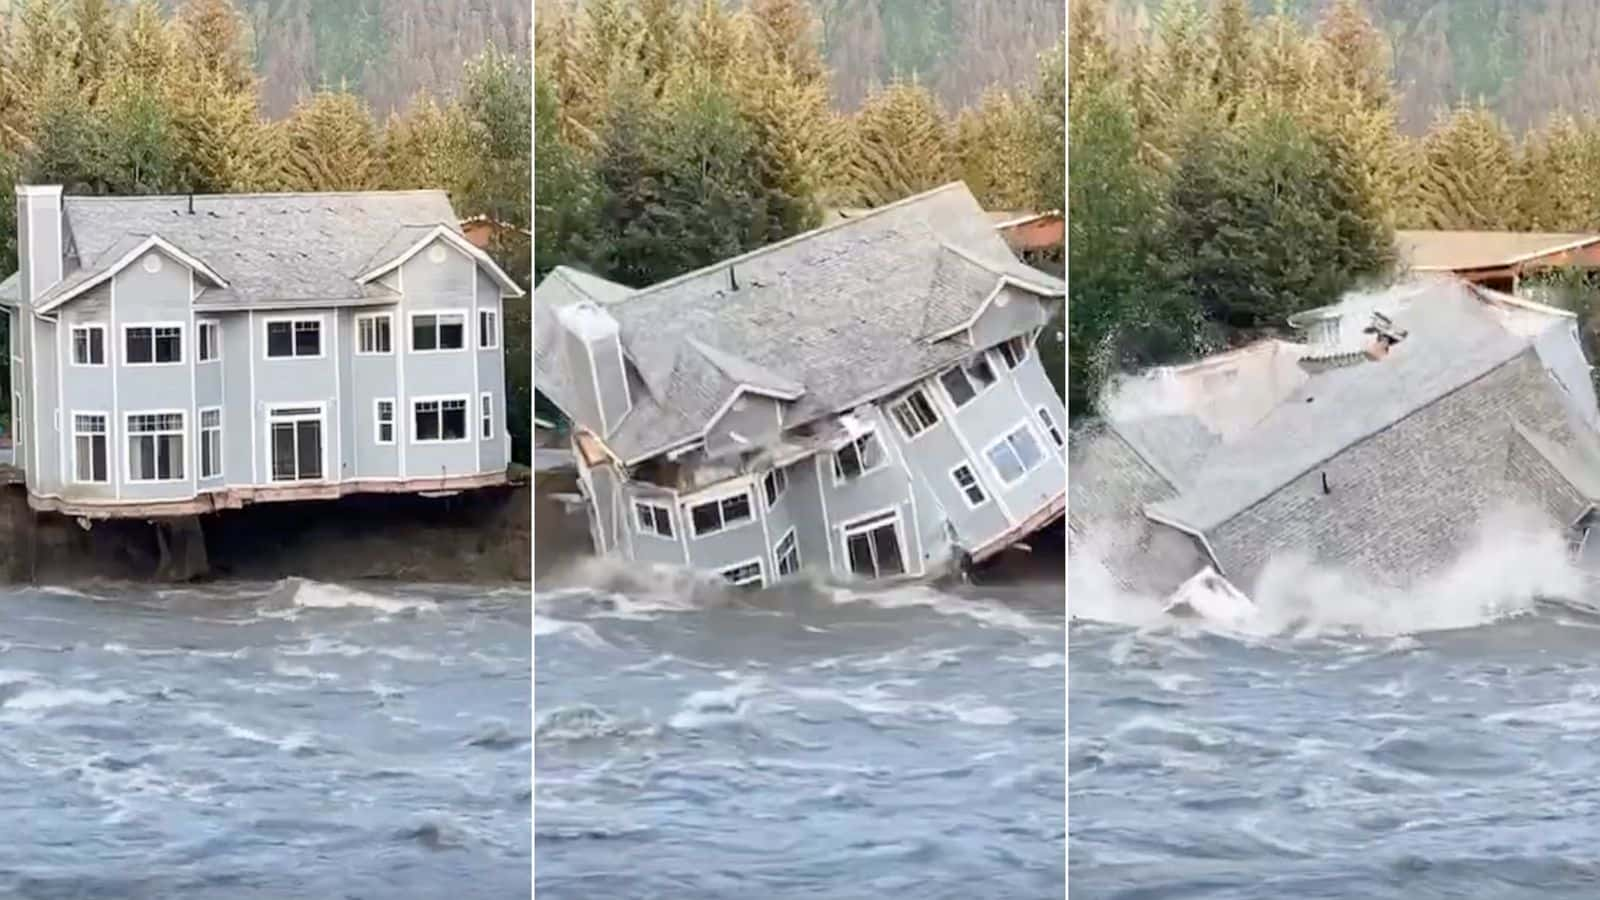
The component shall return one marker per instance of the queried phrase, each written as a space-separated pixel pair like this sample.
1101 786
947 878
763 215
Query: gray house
863 400
177 355
1377 444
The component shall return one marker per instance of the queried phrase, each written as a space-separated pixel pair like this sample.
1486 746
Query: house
1376 443
482 231
176 355
1033 232
861 400
1495 259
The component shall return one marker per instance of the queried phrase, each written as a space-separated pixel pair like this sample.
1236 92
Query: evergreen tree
996 142
901 145
1558 176
427 147
332 144
1469 175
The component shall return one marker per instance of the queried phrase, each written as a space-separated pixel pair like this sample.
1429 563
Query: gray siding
239 430
160 298
647 546
1013 311
884 489
803 504
296 381
933 454
447 285
731 546
1406 501
997 412
367 378
494 453
753 417
90 389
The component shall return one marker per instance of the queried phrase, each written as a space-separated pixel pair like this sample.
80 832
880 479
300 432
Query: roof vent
733 280
191 204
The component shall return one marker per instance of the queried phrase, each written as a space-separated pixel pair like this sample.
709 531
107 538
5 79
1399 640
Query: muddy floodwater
264 741
805 741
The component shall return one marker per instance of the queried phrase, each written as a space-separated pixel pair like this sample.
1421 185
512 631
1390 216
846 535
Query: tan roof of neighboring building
1457 251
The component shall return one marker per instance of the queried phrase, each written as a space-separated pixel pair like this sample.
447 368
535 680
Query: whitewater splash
1512 565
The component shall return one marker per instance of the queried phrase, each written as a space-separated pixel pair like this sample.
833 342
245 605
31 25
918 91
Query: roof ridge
797 238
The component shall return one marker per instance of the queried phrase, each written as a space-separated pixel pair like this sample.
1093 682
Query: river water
805 741
1442 742
264 741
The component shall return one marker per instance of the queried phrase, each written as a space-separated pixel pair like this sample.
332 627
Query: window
210 443
88 345
744 575
914 414
383 415
774 484
89 448
1013 351
438 331
294 337
873 547
717 515
653 519
1014 455
968 484
857 458
788 554
154 345
488 329
967 380
155 446
295 433
375 334
486 416
439 420
209 337
1050 428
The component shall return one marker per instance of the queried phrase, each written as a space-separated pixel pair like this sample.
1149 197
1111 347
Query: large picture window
1015 455
438 331
439 419
873 546
295 433
155 446
288 338
153 344
713 516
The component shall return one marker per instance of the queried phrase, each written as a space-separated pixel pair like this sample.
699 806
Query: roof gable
410 240
116 258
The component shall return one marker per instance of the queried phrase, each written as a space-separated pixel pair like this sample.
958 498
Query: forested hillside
385 51
956 48
1524 59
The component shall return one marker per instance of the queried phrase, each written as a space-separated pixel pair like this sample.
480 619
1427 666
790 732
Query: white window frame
466 419
1022 357
1003 438
839 479
759 580
777 475
200 445
872 522
411 330
1048 423
377 420
650 530
128 435
374 318
200 328
976 390
266 341
689 506
105 433
973 471
105 347
778 555
485 416
183 340
493 331
905 400
321 418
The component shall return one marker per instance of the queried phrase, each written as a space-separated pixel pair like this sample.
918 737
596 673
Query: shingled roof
263 248
847 313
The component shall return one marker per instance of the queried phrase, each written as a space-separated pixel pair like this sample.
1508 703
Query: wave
1513 564
302 593
42 699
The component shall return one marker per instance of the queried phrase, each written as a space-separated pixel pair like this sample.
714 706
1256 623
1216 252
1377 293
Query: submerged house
863 399
176 355
1376 443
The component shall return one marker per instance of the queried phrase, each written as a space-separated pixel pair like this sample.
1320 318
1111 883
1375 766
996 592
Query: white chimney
39 239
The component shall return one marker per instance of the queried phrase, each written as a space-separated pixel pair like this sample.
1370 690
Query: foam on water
1515 562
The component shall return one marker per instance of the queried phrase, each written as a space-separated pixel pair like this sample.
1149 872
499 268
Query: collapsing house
1377 443
863 400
